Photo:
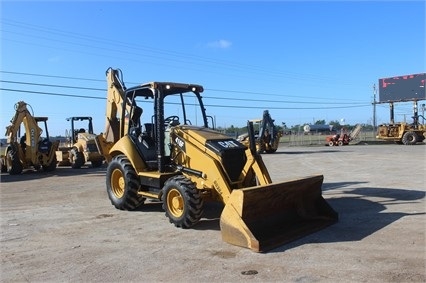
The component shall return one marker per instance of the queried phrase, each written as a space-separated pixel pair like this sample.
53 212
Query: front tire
182 202
122 184
409 138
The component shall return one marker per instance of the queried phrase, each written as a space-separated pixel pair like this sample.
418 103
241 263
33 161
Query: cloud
222 44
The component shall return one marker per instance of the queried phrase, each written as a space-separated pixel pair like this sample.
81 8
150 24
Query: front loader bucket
264 217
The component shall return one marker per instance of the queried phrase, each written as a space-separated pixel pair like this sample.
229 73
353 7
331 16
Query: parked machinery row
184 164
29 145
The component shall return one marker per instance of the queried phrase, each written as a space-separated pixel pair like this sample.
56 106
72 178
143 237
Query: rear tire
409 138
3 165
13 164
122 184
182 202
76 158
51 167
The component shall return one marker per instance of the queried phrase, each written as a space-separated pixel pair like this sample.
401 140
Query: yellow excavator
176 158
32 150
267 136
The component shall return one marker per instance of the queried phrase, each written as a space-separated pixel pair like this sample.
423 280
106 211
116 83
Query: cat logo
228 144
180 143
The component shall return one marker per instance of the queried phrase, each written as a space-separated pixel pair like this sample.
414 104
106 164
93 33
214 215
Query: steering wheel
172 120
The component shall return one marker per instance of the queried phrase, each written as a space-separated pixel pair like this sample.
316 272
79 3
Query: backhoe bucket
265 217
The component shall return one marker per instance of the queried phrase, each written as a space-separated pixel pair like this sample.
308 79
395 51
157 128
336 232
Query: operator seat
136 115
146 147
149 129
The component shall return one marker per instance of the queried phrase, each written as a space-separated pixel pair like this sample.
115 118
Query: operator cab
144 141
165 99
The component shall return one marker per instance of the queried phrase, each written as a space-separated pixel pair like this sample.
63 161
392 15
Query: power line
50 85
51 93
51 76
209 105
163 54
209 89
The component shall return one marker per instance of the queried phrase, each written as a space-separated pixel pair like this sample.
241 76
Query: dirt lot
61 227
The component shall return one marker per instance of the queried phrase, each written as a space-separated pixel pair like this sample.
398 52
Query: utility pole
374 108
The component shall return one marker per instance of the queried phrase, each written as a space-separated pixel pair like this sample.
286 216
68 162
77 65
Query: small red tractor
343 138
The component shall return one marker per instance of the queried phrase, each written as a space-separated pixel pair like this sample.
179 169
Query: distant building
317 129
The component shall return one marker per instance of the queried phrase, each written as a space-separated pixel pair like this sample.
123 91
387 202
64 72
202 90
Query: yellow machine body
32 150
185 165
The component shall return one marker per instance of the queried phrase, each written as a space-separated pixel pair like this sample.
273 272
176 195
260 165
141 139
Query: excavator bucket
262 218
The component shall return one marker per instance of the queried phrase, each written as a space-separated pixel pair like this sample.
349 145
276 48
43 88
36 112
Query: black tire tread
15 167
409 138
51 167
78 159
131 199
194 203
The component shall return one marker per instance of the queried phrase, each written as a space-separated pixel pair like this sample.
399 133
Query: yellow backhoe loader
32 150
80 147
403 133
266 134
176 158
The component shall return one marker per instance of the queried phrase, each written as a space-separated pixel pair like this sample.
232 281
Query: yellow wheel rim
175 203
117 183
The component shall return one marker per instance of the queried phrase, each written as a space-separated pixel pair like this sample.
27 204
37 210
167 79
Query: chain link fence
318 139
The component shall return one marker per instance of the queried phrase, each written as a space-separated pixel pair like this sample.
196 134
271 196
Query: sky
303 61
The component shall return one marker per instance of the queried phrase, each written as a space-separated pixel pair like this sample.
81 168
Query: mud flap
265 217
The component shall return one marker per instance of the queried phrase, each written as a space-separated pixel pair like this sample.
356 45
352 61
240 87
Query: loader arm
258 214
254 160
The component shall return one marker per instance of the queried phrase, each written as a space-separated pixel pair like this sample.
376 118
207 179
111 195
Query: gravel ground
61 227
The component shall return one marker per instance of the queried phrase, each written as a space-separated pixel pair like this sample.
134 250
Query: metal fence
318 139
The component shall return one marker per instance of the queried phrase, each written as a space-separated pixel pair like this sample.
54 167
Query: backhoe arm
115 127
32 130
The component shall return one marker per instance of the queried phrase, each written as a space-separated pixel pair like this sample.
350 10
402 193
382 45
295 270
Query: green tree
320 122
